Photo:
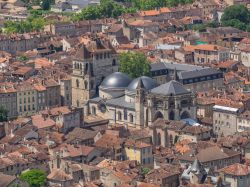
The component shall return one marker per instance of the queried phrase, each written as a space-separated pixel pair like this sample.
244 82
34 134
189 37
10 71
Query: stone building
193 77
236 174
225 119
94 61
21 42
66 94
207 54
26 99
139 102
8 100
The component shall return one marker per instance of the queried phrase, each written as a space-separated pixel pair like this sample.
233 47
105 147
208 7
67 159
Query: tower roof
140 84
147 82
172 87
116 80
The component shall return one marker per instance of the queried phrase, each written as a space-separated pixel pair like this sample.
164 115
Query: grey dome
148 83
172 87
116 80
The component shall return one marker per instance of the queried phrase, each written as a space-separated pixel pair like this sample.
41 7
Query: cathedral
139 102
100 89
94 60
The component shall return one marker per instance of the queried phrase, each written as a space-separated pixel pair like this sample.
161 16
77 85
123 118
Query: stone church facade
138 103
93 61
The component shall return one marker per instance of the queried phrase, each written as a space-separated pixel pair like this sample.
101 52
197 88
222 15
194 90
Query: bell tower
139 104
83 83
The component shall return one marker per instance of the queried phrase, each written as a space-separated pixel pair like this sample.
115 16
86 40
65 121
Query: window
85 85
131 118
93 110
114 62
77 83
119 115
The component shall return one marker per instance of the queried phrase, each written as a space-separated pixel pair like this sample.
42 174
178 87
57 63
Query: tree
134 64
239 12
237 16
144 171
3 114
45 4
34 177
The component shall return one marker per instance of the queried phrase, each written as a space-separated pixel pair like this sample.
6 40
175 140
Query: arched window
171 115
93 110
77 83
86 67
131 118
77 103
157 115
159 139
85 84
92 85
114 62
80 66
119 116
185 115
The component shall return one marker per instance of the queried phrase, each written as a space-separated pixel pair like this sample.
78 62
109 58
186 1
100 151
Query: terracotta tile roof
150 13
162 173
42 122
143 184
59 175
209 47
6 180
23 70
165 10
143 23
75 151
137 144
236 170
42 63
245 41
226 64
39 87
57 111
109 141
204 155
115 28
195 130
189 48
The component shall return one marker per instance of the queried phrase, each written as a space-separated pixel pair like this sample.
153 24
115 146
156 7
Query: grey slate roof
172 87
172 66
148 83
195 168
120 102
116 80
96 99
197 73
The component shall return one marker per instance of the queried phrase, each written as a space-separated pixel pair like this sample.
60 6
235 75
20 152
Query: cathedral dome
116 80
148 83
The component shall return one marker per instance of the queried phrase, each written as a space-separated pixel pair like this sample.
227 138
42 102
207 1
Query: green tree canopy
34 177
237 16
106 9
35 23
134 64
45 4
